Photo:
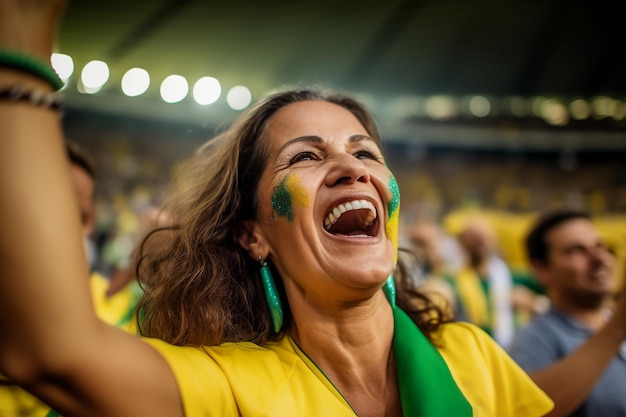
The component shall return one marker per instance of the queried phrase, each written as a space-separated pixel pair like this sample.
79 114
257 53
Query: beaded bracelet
23 62
35 97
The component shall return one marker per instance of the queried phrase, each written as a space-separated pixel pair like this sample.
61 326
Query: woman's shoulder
464 331
240 355
224 349
472 355
218 379
243 376
462 342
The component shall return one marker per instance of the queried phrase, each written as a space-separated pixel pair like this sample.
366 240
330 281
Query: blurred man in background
576 352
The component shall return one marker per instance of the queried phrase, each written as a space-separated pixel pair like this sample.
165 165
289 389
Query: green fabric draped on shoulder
427 387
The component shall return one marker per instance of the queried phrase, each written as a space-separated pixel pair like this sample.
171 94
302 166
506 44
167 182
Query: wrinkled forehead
319 118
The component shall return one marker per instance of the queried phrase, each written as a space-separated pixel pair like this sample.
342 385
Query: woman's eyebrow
358 138
317 139
310 139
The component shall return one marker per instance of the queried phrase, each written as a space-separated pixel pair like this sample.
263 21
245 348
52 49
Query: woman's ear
248 236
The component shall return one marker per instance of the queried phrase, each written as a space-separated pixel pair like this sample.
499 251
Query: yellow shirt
278 379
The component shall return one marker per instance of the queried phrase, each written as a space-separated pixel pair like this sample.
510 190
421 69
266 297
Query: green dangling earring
271 295
389 288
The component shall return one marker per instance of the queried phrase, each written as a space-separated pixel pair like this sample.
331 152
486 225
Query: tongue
350 223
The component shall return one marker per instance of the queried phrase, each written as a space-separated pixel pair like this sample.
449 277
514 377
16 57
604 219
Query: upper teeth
352 205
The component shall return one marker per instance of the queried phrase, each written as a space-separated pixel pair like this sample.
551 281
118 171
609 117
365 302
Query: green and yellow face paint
287 194
393 208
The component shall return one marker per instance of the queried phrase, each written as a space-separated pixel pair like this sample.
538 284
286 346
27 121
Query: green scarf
426 384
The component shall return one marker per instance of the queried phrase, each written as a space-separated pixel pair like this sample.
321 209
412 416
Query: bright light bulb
239 97
174 88
135 82
207 90
95 74
63 65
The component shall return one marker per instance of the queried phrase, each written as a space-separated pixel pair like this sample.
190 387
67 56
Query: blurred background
498 107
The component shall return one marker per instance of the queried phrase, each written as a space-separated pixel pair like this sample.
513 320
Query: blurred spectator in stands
148 218
438 256
483 286
117 310
427 238
83 177
576 351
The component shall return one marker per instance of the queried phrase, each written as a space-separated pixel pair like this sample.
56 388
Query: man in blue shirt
576 351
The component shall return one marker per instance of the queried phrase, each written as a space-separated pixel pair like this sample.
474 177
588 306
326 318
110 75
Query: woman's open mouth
352 218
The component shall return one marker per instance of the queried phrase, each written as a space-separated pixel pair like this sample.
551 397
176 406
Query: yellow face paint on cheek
299 197
393 208
289 192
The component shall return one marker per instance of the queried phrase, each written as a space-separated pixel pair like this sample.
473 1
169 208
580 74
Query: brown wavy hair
201 287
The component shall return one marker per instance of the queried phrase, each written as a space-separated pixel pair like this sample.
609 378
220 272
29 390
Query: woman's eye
364 154
302 156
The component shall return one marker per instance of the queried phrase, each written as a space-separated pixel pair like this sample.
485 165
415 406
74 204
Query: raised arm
50 339
569 381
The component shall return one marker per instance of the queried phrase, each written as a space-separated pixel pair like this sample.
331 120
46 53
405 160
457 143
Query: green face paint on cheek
394 203
393 208
281 201
288 193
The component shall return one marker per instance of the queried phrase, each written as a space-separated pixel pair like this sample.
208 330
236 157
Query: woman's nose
347 169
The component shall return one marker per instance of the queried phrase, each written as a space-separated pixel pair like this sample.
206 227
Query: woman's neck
353 347
366 327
